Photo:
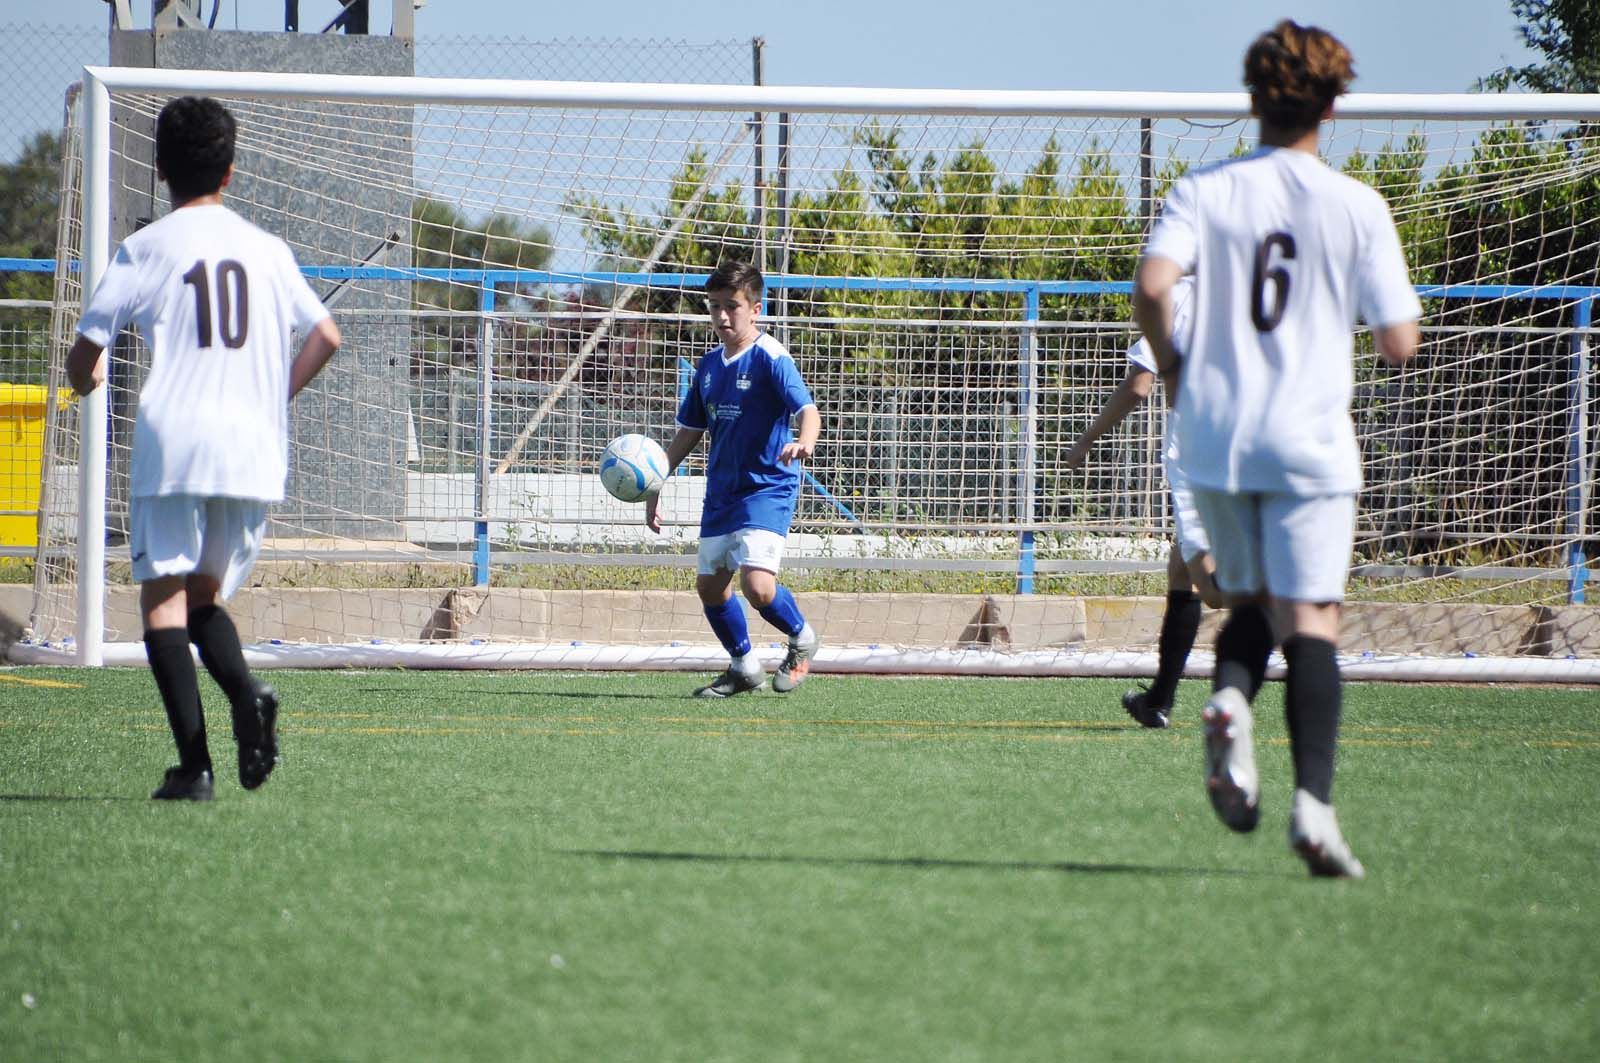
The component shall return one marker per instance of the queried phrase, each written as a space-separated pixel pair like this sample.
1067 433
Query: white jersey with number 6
1287 253
216 300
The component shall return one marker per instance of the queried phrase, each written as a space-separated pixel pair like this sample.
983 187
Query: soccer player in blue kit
744 393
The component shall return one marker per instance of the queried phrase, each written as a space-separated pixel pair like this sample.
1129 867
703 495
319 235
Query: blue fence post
480 526
1578 450
1027 365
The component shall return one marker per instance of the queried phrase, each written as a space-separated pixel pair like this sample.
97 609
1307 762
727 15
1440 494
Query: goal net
518 267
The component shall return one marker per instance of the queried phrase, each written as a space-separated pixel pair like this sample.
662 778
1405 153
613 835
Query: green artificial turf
506 866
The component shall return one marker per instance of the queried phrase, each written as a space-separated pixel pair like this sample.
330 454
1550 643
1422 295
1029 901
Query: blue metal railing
490 280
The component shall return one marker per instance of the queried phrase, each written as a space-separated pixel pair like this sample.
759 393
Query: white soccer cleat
1314 834
1231 760
797 662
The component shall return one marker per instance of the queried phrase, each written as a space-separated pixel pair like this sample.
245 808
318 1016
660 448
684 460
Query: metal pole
480 527
758 192
1153 496
1027 465
781 203
1147 183
404 25
93 407
1578 451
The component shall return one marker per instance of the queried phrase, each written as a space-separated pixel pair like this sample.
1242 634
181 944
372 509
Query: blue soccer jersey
745 403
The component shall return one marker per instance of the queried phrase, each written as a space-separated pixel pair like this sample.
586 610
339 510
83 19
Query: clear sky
1400 45
1196 45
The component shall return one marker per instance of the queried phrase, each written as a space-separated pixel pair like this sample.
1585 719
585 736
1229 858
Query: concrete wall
354 416
929 621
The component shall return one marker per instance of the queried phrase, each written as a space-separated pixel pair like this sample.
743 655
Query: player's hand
652 513
796 451
1075 456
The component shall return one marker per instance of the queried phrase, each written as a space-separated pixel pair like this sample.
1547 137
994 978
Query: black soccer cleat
1147 713
181 784
733 682
257 759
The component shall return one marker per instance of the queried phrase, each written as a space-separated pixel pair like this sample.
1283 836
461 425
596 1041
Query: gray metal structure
364 396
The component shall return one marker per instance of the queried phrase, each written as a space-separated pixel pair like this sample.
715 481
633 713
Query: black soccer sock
1313 702
213 633
167 649
1242 650
1179 627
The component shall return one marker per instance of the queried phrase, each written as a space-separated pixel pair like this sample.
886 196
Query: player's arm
1388 300
108 309
681 446
1133 390
86 365
805 442
323 339
1397 343
1152 309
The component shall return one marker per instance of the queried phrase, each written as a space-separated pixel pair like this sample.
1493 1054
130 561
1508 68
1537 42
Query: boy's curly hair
194 145
1294 73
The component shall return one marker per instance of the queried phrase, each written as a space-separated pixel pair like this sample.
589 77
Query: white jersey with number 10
1286 254
215 299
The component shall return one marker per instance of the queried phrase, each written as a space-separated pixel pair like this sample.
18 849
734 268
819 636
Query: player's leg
760 555
1243 646
1180 624
164 543
714 584
1203 575
1308 556
230 543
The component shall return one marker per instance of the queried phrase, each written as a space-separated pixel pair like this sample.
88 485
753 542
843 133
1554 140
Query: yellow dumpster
22 414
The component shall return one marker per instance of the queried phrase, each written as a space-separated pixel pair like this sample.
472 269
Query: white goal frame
99 83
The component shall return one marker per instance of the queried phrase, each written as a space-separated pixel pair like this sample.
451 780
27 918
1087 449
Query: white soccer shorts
176 535
1191 531
1293 548
745 548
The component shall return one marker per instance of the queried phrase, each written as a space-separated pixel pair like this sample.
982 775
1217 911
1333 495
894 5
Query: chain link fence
43 62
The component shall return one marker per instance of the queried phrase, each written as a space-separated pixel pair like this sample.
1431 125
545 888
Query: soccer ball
633 467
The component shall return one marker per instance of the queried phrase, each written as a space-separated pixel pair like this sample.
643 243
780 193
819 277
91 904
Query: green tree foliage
446 238
30 201
1567 34
718 226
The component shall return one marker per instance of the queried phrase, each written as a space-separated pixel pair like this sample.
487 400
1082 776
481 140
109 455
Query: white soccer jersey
215 299
1286 253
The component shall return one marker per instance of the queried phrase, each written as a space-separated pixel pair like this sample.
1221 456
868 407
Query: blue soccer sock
727 621
783 613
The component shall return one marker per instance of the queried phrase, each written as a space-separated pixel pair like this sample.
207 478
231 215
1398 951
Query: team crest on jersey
743 384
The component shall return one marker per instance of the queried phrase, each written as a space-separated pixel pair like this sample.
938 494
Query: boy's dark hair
1294 73
736 276
194 145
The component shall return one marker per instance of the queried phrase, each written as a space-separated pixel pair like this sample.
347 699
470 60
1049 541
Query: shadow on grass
598 695
70 797
918 863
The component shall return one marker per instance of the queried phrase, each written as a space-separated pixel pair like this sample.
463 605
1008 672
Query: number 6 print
1266 317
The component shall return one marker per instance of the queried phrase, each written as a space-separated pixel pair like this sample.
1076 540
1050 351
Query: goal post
954 288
